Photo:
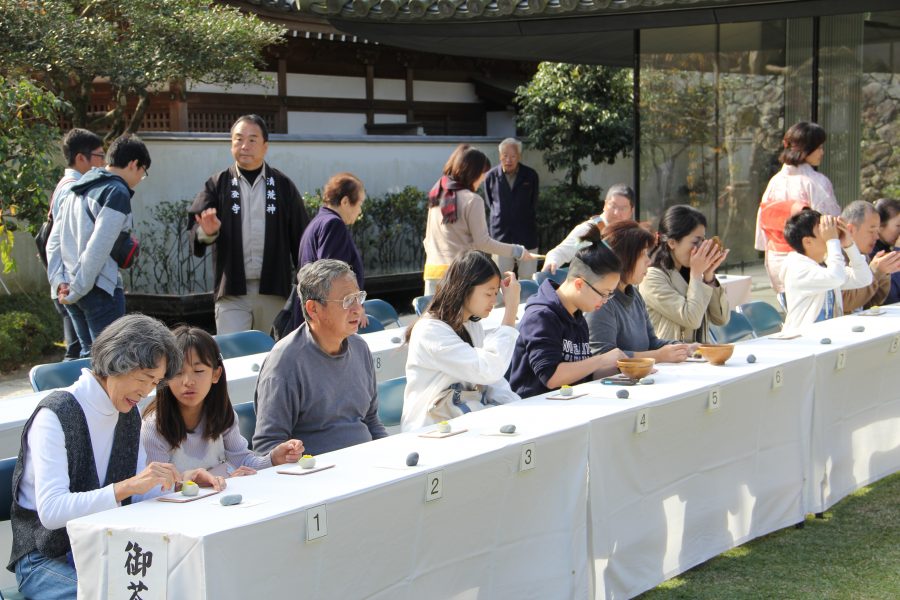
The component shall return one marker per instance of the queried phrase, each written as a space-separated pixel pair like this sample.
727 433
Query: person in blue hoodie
91 239
553 348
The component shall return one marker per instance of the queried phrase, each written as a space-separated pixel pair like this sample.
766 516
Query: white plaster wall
268 87
322 123
443 91
389 118
325 86
390 89
182 163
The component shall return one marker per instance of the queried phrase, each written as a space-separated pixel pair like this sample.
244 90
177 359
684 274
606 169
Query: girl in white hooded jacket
452 367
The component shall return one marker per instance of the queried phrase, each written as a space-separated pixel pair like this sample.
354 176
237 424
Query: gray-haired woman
77 433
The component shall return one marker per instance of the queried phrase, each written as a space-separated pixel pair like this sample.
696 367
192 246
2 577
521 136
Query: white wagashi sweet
443 427
189 488
307 461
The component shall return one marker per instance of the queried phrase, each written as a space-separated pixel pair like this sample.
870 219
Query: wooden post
178 107
281 124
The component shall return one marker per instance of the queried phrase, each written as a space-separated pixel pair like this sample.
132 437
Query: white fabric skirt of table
792 434
496 532
737 288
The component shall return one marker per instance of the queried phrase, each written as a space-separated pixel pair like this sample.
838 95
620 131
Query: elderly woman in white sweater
452 367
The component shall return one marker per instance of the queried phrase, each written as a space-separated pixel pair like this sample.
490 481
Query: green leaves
577 112
135 46
28 145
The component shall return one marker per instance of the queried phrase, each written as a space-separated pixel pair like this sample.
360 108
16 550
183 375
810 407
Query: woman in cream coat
681 291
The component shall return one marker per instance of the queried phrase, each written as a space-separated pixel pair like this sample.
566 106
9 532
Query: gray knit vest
28 533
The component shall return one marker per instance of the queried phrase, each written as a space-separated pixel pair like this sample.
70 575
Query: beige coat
682 311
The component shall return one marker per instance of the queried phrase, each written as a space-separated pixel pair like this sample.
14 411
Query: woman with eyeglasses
681 290
452 367
553 348
625 323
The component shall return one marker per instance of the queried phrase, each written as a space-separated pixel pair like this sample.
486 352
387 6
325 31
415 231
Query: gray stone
231 499
395 340
412 459
254 367
751 358
622 394
647 381
508 429
825 341
858 329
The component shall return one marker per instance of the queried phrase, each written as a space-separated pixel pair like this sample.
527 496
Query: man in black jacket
511 191
253 216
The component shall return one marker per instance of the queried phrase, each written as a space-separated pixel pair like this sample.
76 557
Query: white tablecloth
497 532
696 482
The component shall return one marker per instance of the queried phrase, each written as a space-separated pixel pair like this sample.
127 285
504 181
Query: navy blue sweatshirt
327 236
548 335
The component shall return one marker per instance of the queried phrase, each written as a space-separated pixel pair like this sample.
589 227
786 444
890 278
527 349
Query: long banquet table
621 494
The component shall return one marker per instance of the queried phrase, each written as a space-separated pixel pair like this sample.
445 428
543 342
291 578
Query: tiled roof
438 10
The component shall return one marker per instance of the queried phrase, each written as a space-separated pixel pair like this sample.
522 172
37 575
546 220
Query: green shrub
28 330
390 231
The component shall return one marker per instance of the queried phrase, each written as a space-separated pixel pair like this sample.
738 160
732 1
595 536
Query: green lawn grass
853 553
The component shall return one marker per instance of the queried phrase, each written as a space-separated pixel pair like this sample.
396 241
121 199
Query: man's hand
886 262
549 267
208 221
62 292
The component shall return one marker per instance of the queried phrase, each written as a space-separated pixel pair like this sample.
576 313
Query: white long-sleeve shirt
806 282
438 357
45 479
565 251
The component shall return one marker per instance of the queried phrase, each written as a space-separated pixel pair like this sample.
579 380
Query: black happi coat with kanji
286 218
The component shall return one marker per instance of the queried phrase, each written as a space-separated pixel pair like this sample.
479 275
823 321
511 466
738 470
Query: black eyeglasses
98 155
604 295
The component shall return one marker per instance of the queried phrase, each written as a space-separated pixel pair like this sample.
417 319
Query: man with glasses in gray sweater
318 383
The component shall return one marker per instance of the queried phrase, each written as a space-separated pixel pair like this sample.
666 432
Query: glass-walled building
717 83
714 102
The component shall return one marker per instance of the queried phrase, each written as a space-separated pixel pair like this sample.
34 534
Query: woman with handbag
452 367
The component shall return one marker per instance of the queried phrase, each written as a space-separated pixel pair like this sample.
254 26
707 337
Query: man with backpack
91 239
83 150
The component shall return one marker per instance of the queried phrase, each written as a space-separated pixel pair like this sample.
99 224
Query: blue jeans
93 313
46 578
73 346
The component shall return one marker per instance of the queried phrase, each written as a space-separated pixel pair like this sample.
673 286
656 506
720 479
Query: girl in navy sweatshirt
554 348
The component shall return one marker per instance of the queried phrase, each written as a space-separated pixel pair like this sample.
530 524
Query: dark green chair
529 289
382 311
764 318
420 304
246 412
244 343
7 466
737 329
374 325
558 277
57 375
390 401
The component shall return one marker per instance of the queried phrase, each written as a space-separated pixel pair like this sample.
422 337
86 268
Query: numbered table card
316 524
137 564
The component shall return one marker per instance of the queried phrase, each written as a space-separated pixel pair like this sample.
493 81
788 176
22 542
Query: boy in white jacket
812 289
